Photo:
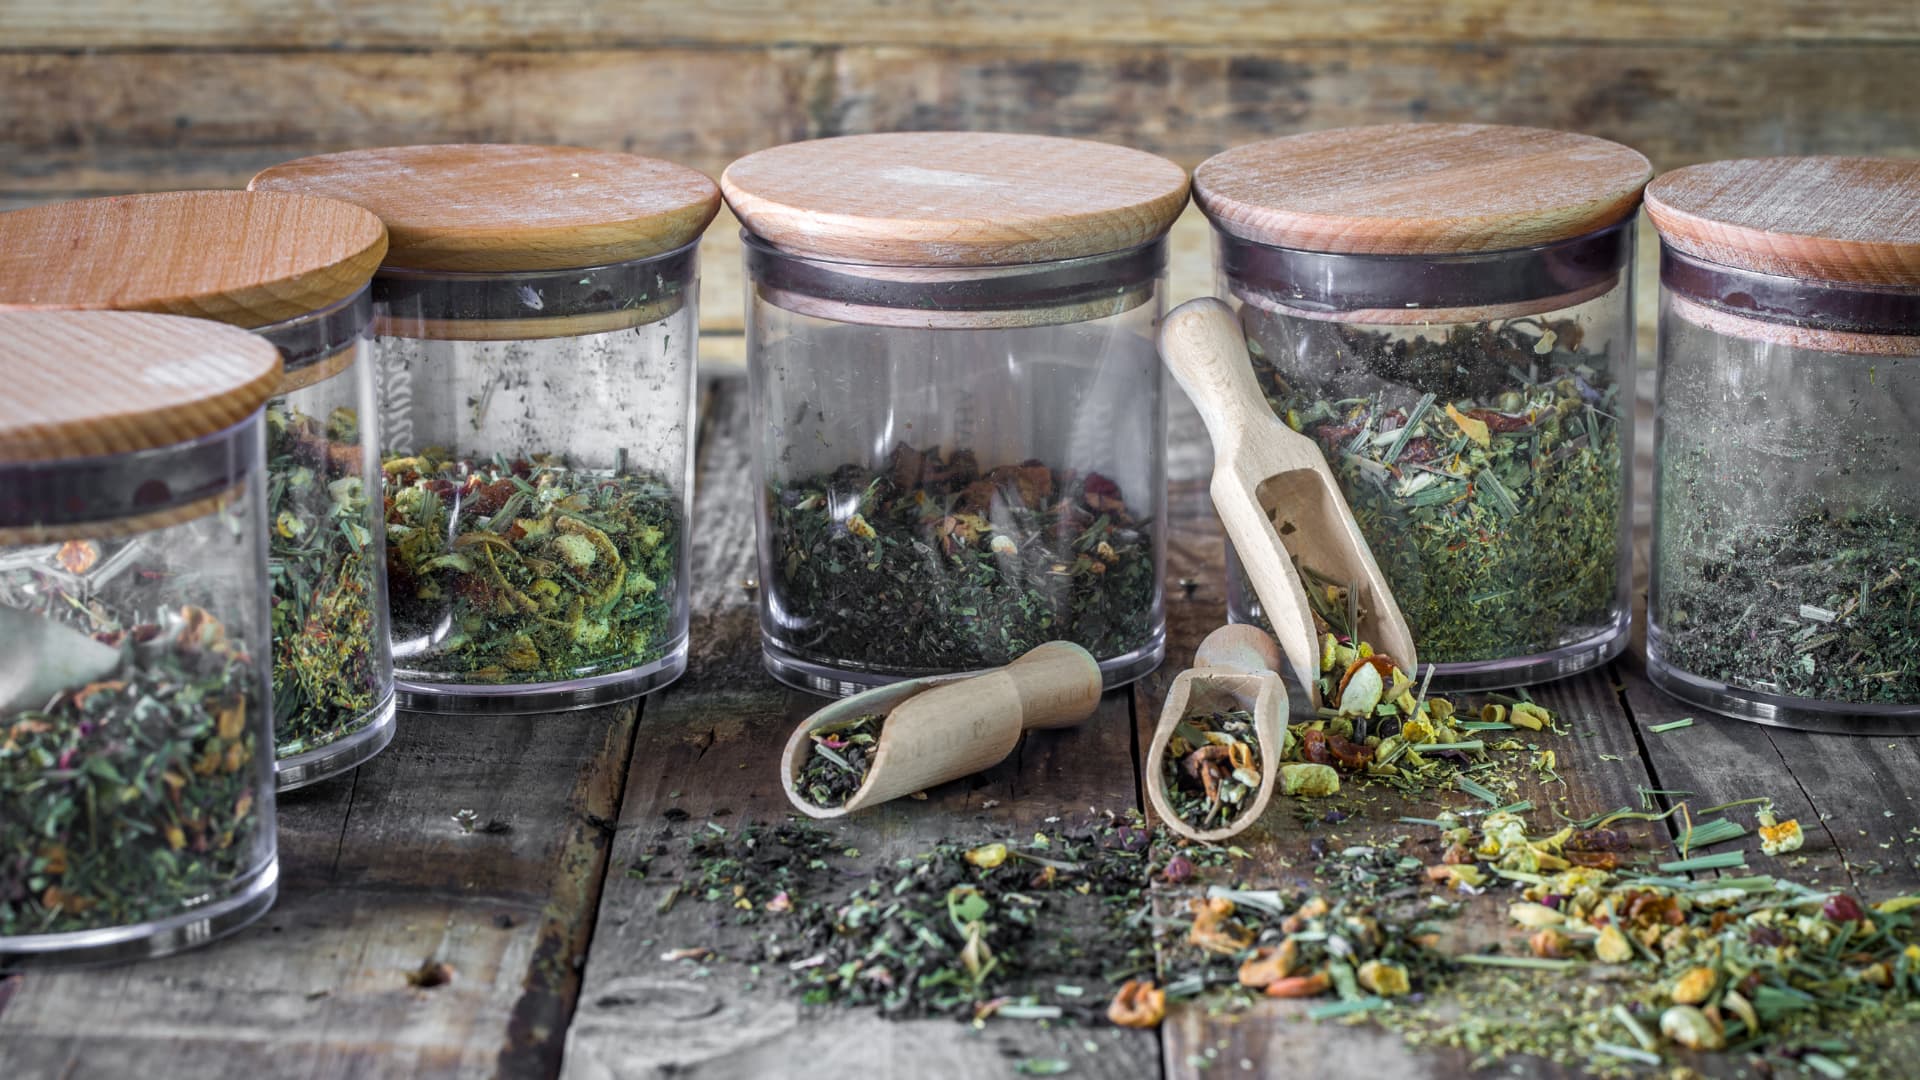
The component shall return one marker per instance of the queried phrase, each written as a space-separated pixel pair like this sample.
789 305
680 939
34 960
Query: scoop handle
1202 344
1238 647
1058 685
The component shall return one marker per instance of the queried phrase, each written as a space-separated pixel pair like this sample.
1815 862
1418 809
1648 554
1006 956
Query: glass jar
1785 581
294 269
536 387
960 449
1464 358
136 764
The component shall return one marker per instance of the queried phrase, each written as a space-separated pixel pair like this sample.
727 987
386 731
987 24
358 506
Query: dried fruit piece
1214 929
1387 980
1269 964
1138 1004
1308 780
1612 946
1691 1028
1694 985
987 856
1301 986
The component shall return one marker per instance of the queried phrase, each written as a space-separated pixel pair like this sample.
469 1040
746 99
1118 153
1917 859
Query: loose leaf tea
327 674
934 565
1212 768
837 767
1815 605
527 570
1482 466
131 798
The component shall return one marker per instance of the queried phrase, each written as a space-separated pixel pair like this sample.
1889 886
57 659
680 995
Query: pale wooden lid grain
1421 189
954 198
1844 219
88 383
233 256
493 208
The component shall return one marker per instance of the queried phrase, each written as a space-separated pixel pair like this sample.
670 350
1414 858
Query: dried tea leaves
1212 768
528 571
328 671
837 766
935 565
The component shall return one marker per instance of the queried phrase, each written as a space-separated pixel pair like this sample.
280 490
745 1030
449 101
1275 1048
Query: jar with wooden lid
295 270
1447 311
958 408
1785 581
537 331
136 738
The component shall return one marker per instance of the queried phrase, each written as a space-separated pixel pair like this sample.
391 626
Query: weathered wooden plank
46 24
708 751
378 878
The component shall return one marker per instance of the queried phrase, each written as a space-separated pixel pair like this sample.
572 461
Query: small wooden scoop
1275 495
949 726
1234 668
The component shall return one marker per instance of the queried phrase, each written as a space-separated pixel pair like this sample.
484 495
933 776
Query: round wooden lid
233 256
88 383
954 198
1420 189
482 207
1851 219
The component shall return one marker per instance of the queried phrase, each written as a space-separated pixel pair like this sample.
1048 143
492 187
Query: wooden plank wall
141 95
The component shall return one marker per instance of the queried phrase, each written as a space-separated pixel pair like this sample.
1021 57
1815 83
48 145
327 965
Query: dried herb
328 673
527 570
842 754
1814 605
1212 768
933 565
1483 468
132 798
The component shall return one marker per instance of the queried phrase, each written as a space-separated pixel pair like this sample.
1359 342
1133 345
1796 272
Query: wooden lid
1851 219
84 384
233 256
954 198
482 207
1420 189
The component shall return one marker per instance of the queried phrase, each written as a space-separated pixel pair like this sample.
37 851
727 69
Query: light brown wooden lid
1420 189
87 383
948 198
233 256
484 207
1850 219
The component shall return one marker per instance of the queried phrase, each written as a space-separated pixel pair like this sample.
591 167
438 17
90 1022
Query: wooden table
556 946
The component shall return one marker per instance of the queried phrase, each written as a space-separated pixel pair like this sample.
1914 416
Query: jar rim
1788 301
531 304
132 491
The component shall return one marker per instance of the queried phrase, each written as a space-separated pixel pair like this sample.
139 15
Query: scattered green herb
842 754
934 565
1674 725
528 571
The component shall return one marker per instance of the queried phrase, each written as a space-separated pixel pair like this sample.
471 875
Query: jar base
250 898
814 677
572 695
339 756
1774 710
1482 675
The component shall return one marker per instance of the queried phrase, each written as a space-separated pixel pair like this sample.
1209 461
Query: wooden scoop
945 727
1234 668
1275 495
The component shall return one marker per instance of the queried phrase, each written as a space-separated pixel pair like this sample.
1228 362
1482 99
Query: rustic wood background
147 95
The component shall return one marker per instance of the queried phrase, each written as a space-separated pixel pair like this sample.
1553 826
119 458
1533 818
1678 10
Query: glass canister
537 327
136 746
1447 311
294 269
1786 543
960 410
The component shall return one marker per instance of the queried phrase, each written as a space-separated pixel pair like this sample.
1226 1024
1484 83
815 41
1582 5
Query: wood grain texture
231 256
488 24
960 198
708 755
377 878
1421 189
1852 219
85 383
480 207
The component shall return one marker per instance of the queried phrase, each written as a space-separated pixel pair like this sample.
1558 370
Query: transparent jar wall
332 670
137 778
938 500
1786 547
1518 580
538 488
